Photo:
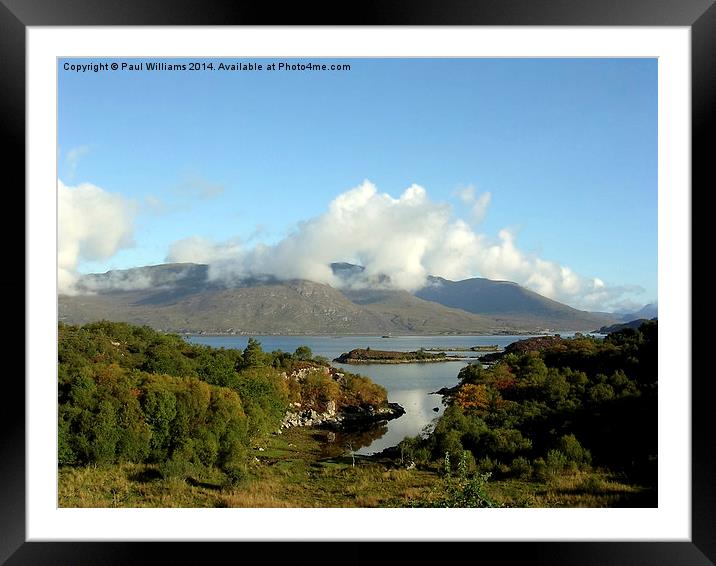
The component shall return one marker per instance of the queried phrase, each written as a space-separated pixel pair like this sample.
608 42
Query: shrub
540 472
178 466
521 468
161 357
556 462
507 441
303 353
601 392
592 484
65 454
573 451
317 389
413 449
472 373
361 391
450 443
264 396
160 409
217 367
235 469
487 465
463 489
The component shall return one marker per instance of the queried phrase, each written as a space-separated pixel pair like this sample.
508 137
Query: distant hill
180 297
622 325
646 312
258 308
417 316
509 302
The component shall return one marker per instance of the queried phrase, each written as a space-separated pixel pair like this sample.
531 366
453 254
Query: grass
294 469
299 468
596 488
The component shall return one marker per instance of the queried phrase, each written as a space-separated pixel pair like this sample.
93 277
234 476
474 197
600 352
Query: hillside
508 303
177 300
647 312
289 307
633 324
182 298
416 316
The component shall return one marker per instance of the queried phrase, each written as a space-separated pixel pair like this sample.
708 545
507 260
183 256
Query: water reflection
412 387
339 443
420 411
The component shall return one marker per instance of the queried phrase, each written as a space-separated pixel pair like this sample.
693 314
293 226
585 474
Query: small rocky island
368 356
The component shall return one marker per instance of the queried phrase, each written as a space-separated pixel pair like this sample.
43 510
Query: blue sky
566 149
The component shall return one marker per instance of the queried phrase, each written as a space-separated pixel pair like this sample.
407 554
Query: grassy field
300 469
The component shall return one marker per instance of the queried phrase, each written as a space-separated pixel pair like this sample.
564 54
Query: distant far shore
368 335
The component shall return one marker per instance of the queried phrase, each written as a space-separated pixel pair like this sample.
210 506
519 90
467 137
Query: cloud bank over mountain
406 239
399 242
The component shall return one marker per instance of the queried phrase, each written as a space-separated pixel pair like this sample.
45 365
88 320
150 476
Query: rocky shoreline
446 390
352 417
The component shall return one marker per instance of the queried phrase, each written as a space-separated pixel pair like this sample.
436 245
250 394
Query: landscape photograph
357 282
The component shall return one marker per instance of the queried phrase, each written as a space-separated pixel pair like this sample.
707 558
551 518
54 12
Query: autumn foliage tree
471 396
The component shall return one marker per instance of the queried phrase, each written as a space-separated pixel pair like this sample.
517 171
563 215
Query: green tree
573 450
253 354
303 353
104 433
160 410
532 370
217 367
163 357
601 392
472 373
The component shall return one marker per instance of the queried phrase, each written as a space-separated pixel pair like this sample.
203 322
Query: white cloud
477 205
196 249
194 186
155 205
93 225
73 157
406 238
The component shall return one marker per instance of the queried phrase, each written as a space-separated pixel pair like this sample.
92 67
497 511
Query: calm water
409 385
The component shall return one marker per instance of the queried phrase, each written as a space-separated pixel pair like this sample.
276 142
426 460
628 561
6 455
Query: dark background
16 15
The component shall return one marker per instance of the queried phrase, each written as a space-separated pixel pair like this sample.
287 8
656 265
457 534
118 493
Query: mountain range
181 297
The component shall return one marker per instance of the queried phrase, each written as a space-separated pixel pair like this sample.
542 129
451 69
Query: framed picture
47 45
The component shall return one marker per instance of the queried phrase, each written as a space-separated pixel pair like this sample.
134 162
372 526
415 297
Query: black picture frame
699 15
